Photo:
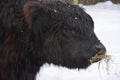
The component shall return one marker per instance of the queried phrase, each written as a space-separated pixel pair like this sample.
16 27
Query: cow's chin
98 58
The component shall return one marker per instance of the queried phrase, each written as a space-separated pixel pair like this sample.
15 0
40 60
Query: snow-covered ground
107 27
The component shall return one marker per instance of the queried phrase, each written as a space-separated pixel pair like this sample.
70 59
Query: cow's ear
35 13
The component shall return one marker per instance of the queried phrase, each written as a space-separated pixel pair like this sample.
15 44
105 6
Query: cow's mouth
97 58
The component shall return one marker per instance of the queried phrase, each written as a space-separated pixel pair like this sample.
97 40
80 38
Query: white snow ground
107 27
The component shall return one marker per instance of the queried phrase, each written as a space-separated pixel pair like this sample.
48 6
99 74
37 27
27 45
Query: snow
106 17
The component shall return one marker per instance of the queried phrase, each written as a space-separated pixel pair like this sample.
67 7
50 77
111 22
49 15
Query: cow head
66 33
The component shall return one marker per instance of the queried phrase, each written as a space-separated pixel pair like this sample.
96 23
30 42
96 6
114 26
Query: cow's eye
73 31
69 32
90 34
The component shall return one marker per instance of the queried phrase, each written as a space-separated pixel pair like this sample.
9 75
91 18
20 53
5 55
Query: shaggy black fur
33 33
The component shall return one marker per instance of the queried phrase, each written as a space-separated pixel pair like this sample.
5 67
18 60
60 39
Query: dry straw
100 57
104 57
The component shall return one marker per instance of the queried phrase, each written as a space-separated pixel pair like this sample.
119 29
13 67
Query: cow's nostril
100 49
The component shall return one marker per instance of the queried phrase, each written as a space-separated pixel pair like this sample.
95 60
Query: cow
34 32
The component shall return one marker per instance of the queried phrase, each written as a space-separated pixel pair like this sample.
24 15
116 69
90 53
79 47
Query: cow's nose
100 48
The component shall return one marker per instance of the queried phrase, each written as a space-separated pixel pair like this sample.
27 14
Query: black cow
35 32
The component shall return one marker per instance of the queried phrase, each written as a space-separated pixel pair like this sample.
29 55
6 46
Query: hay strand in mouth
100 57
104 57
